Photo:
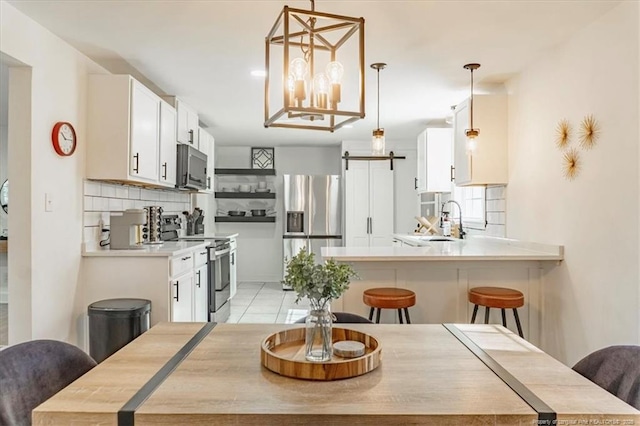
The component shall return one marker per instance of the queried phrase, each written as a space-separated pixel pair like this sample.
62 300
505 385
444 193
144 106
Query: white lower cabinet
369 204
182 298
200 296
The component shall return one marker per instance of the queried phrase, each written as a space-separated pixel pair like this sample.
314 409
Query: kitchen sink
436 239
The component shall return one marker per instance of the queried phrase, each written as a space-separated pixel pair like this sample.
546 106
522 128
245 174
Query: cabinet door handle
208 182
415 183
198 274
233 258
186 258
177 284
371 225
137 158
164 174
191 136
203 253
451 173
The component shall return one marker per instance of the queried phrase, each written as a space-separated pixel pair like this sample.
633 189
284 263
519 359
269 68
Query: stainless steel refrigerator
312 215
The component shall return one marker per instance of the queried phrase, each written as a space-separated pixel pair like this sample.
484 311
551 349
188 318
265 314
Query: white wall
44 260
592 299
260 244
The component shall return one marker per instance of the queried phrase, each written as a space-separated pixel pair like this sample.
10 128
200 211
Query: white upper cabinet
168 150
187 124
434 160
123 130
207 146
487 163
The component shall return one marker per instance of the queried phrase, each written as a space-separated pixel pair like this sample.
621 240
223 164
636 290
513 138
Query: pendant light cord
378 98
471 106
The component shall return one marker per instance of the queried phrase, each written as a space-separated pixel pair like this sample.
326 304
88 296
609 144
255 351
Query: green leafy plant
320 283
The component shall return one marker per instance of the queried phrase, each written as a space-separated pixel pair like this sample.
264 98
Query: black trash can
115 322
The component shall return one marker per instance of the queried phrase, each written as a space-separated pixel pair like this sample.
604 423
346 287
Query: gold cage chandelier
319 82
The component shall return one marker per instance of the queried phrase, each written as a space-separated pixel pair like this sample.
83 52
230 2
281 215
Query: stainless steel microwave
191 168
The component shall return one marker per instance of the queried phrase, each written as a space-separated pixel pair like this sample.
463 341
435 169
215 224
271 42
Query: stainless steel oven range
219 268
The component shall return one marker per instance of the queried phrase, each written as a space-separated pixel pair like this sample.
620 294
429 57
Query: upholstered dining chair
615 369
343 318
32 372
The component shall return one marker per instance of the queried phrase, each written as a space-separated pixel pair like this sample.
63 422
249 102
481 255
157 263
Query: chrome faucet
462 233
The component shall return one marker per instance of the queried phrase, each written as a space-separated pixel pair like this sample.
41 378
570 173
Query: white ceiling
204 51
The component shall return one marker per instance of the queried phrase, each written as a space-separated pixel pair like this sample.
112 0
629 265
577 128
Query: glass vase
318 338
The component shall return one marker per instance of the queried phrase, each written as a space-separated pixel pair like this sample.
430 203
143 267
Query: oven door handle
219 253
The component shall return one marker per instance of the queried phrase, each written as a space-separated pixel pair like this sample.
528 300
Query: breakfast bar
441 273
195 373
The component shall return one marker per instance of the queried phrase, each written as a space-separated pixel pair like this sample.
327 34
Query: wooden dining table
436 374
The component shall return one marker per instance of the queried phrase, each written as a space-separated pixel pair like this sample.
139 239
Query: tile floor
265 302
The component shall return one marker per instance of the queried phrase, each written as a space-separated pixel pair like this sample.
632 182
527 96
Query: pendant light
377 141
473 134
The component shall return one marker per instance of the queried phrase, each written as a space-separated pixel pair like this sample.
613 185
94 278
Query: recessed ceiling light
348 126
259 73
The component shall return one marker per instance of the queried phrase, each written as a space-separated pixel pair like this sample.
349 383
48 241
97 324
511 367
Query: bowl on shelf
236 213
262 190
258 212
244 188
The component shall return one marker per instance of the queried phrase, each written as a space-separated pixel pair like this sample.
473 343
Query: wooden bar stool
389 298
496 297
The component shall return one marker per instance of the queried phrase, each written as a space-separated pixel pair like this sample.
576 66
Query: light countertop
166 249
473 248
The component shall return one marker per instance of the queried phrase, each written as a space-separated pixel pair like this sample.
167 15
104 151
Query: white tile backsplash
101 198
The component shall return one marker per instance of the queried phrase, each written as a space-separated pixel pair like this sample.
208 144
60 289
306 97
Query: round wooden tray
283 353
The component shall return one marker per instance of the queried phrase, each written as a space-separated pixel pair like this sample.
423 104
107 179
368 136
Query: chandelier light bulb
335 71
321 90
299 69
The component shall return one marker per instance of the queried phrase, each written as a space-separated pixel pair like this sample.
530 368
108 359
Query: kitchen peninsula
441 273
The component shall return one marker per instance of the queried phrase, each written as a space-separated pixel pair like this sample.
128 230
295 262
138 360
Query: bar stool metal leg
515 314
400 315
504 318
371 314
378 316
406 315
475 311
486 315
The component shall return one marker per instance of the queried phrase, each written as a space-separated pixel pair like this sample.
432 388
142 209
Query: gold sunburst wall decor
589 132
572 163
563 133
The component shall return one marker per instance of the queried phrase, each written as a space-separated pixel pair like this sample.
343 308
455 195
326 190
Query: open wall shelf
263 219
254 195
247 172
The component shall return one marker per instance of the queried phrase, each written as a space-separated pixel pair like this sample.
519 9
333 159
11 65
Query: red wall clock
63 137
